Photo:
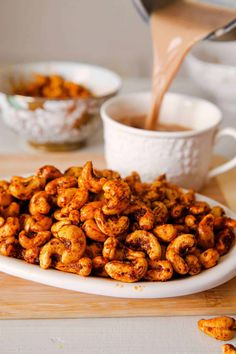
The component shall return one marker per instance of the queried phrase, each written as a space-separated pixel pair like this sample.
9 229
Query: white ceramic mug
185 156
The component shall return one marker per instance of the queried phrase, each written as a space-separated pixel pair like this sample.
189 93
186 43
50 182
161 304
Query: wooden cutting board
21 299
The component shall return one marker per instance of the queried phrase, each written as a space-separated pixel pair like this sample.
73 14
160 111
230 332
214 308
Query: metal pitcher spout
146 7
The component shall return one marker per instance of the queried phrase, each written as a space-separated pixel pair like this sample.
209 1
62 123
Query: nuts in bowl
55 105
94 223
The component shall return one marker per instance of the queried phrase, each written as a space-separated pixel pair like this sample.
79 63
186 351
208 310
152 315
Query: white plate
224 271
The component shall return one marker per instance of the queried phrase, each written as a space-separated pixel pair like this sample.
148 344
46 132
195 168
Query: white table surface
158 335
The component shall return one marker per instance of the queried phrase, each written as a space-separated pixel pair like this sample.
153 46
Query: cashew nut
209 258
191 222
166 232
69 246
54 248
113 249
58 225
5 196
40 203
81 267
160 212
89 180
10 228
228 349
177 211
117 197
48 172
221 328
194 264
188 198
54 186
206 237
217 211
36 223
12 210
24 188
35 240
112 226
99 263
145 241
65 196
8 247
73 216
31 255
127 271
75 243
199 208
88 210
108 174
79 198
180 245
74 171
161 270
224 241
92 231
143 215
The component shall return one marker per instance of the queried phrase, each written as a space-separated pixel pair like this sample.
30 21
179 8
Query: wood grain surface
21 299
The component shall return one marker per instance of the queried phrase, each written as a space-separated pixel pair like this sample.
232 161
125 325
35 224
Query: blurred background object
106 32
212 66
55 123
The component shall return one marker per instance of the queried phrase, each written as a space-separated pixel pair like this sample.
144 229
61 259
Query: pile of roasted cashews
93 222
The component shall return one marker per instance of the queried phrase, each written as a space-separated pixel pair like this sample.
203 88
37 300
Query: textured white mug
184 156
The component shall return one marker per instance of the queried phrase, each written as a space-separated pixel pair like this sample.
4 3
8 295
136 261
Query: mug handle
229 165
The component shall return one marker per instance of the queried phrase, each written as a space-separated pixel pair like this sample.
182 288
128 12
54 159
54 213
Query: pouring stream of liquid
175 29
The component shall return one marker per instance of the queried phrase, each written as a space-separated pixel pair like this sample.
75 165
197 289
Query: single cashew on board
221 328
228 349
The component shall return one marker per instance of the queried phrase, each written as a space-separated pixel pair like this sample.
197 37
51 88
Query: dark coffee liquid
139 122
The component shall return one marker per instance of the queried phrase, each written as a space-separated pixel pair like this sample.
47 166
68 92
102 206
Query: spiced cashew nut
9 227
145 241
143 215
206 237
111 226
5 197
181 244
27 241
88 210
69 246
221 328
48 172
93 232
166 232
24 188
89 180
40 203
117 197
35 223
127 271
77 201
53 187
161 270
113 249
209 258
82 267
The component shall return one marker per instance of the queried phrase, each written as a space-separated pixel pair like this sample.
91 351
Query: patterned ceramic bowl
55 124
